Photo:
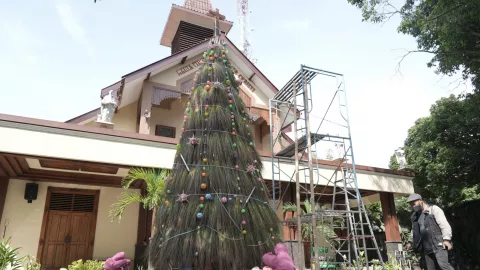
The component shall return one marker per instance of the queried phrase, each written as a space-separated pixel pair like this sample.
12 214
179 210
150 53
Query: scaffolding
341 220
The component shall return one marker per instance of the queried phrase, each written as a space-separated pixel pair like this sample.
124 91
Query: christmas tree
216 213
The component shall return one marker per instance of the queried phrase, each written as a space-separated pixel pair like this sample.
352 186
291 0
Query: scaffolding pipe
310 170
297 176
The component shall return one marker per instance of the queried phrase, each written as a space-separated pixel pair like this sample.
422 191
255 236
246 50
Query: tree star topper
182 197
193 140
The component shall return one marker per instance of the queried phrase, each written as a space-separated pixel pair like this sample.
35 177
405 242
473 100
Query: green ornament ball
244 211
251 143
231 106
234 145
169 191
233 124
228 82
224 60
244 232
271 229
201 205
179 146
188 110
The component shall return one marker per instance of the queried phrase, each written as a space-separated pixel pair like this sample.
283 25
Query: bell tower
192 23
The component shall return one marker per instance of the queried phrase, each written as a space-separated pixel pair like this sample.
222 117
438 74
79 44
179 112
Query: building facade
76 167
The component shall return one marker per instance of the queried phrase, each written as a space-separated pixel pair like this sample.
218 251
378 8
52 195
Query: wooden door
68 229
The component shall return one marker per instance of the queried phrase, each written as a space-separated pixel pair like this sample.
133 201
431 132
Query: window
164 131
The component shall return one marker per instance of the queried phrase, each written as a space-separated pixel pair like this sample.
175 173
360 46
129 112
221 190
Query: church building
59 180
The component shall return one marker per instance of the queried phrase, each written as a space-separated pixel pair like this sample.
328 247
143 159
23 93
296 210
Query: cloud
295 25
21 39
72 25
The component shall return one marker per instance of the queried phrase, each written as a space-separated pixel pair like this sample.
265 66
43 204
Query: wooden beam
3 194
183 60
16 167
72 178
22 161
392 229
7 167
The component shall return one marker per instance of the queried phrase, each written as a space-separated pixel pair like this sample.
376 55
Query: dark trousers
438 260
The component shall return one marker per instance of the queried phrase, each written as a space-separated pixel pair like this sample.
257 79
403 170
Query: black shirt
425 234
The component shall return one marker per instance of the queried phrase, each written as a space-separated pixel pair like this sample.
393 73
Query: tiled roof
202 6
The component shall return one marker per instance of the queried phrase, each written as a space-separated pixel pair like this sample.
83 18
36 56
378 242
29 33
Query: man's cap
414 197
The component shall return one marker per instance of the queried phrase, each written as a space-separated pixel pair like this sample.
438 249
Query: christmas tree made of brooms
216 213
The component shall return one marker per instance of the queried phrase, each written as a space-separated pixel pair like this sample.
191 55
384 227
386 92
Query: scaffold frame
295 102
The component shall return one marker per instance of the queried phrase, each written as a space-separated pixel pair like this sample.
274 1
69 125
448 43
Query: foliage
447 29
87 265
393 164
9 257
464 219
323 228
216 213
32 263
154 182
444 151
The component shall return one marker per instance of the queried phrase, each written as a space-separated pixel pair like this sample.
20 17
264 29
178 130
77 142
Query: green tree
216 214
154 185
444 150
447 29
393 164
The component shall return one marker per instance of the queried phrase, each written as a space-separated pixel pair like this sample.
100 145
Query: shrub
9 257
88 265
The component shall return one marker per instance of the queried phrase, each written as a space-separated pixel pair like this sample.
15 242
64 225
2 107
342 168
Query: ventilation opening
72 202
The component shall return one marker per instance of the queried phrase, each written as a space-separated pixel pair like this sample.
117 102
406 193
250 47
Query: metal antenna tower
244 20
330 186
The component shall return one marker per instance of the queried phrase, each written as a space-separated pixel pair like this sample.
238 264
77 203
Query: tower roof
194 14
202 6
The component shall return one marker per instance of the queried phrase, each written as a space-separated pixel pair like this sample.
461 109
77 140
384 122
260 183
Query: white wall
25 220
170 118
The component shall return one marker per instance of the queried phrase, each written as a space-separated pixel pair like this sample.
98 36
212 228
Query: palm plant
9 257
154 184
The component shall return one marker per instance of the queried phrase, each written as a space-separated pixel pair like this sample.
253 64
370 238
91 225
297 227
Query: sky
56 56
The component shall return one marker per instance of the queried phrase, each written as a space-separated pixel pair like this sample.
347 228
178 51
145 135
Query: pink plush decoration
280 260
117 262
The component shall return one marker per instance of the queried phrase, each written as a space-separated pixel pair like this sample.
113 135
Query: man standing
431 234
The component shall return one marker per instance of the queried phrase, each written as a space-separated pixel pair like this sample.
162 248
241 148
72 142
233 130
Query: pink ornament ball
236 167
224 200
244 222
259 179
206 106
198 72
233 116
208 82
201 62
212 47
185 117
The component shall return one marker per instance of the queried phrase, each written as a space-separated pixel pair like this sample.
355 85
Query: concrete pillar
145 105
393 239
